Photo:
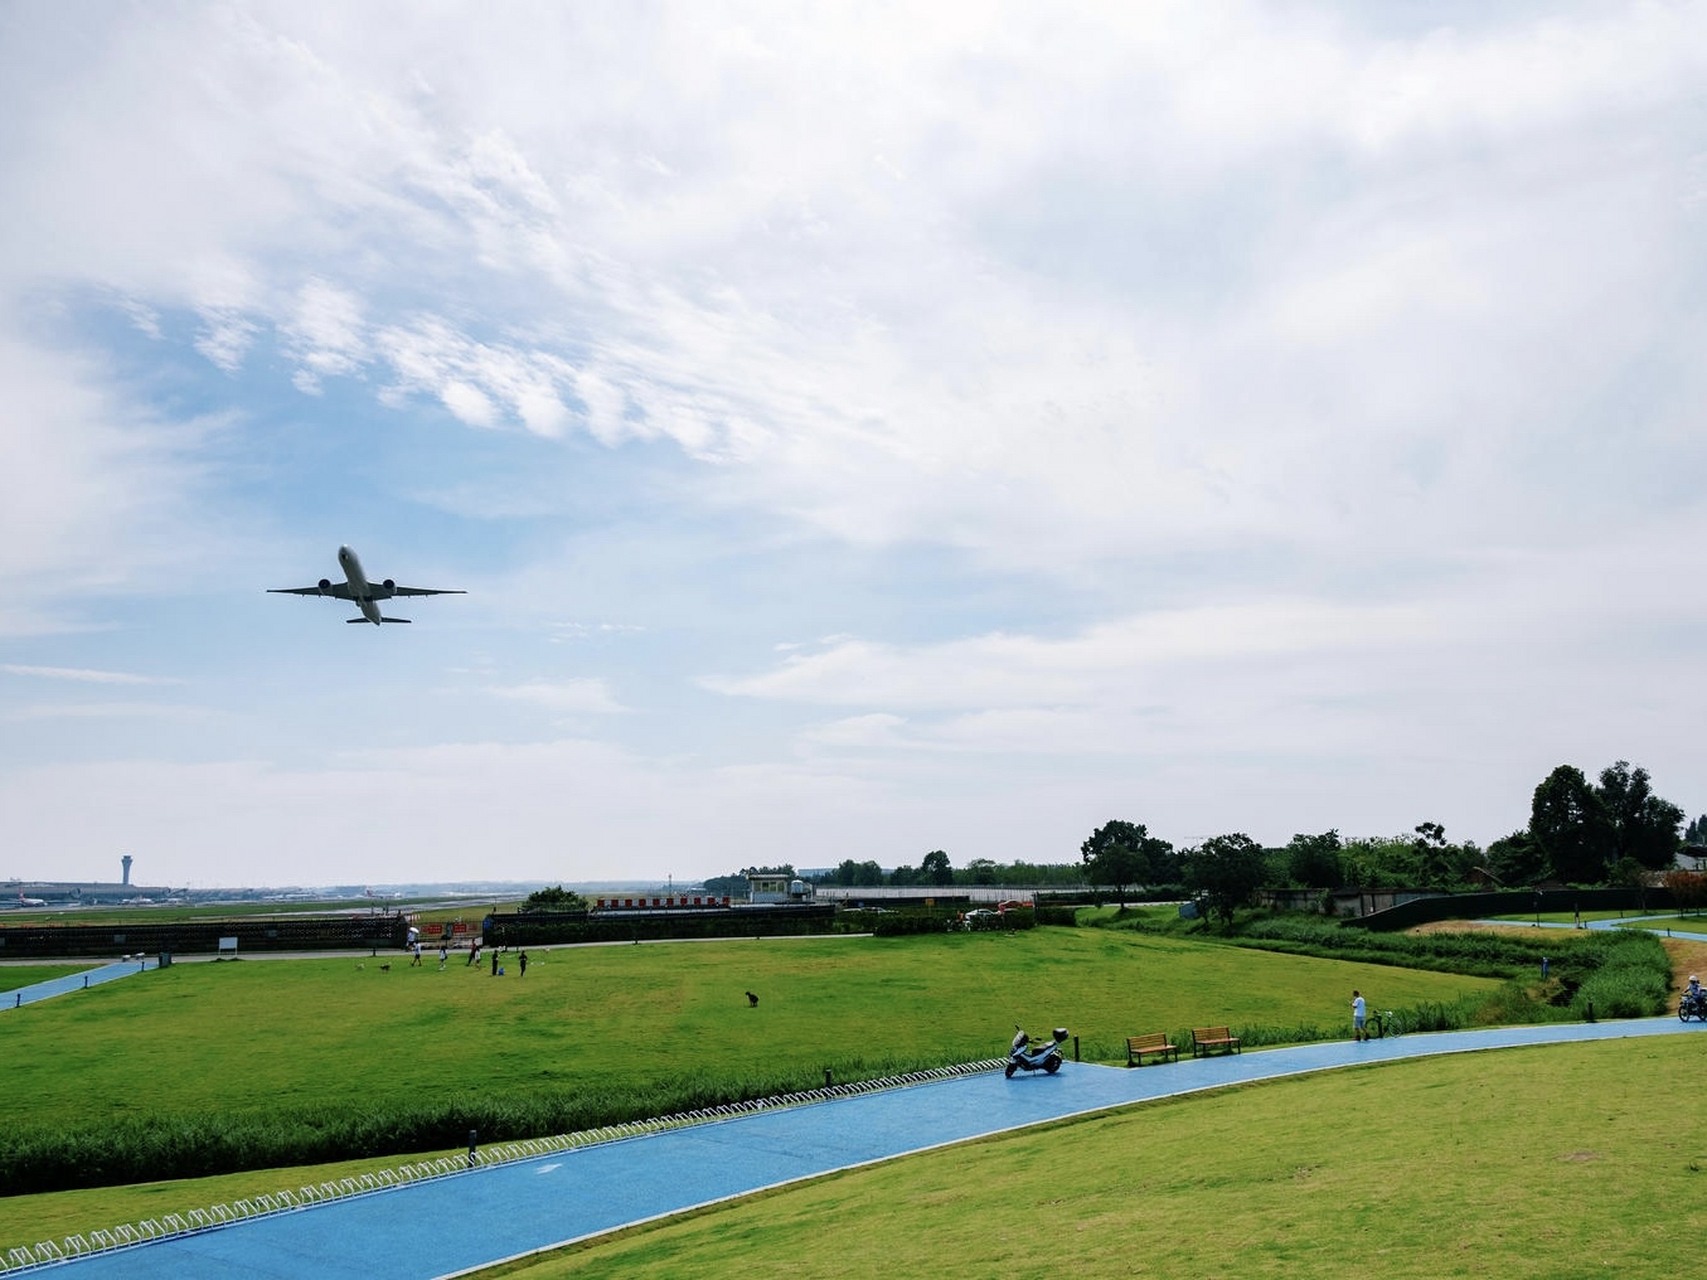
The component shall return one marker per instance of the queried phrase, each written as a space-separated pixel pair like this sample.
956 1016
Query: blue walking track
74 982
467 1221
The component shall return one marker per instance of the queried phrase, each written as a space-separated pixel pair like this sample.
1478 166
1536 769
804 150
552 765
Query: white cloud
584 696
1208 406
85 676
107 711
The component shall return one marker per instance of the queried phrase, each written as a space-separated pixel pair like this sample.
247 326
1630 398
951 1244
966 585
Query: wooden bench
1155 1042
1204 1039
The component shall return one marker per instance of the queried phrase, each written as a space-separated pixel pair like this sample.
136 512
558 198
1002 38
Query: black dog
752 1000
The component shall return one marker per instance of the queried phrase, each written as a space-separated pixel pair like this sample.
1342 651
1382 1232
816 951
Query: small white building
778 889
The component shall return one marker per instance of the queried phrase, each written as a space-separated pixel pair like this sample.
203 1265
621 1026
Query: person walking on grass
522 963
1358 1030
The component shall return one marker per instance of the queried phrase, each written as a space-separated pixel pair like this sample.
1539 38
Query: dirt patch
1687 957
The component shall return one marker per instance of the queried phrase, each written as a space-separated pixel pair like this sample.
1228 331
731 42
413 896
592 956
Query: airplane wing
424 591
337 590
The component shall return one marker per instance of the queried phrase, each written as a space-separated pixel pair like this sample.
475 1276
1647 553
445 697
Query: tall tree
1641 825
1225 872
936 869
1314 861
1567 820
1429 851
1517 859
1118 854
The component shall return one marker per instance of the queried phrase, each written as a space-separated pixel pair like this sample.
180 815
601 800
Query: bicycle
1385 1022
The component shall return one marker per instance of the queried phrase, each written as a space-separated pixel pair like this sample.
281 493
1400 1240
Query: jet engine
389 586
325 586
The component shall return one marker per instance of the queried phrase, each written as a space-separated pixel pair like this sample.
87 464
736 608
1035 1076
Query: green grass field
251 1036
1556 1161
230 1043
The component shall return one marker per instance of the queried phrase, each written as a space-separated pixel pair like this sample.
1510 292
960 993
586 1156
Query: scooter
1045 1056
1692 1006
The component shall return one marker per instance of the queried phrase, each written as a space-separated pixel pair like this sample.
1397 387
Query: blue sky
860 430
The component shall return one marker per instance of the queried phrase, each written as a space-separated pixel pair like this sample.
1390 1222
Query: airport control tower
126 861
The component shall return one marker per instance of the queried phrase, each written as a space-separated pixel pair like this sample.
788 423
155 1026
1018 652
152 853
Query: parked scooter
1044 1056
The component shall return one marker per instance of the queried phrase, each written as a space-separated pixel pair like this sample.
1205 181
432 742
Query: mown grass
218 1067
1552 1161
13 976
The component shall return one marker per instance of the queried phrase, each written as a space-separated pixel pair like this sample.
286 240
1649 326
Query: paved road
473 1219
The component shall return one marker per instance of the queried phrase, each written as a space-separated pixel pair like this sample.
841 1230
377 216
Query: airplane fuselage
360 591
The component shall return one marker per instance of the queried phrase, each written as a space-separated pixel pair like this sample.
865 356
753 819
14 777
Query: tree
849 873
1642 826
1314 861
1688 889
1516 859
981 871
1225 872
1568 822
556 898
1119 853
1696 832
936 869
1429 853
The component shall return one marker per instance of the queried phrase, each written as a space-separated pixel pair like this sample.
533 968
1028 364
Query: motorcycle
1692 1005
1044 1056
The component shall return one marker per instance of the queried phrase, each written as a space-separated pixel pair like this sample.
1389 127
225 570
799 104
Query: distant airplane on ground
360 592
31 902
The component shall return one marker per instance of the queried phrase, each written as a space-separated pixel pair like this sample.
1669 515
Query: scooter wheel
1053 1064
1011 1069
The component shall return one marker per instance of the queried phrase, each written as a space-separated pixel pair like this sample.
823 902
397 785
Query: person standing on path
1357 1017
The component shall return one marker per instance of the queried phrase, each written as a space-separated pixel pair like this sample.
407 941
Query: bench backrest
1212 1033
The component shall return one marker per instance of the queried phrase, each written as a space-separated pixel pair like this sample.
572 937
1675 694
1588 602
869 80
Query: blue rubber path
73 982
470 1220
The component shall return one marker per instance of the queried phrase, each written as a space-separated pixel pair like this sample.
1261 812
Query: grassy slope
1545 1162
251 1036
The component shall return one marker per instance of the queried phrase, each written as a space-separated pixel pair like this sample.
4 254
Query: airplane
31 902
360 592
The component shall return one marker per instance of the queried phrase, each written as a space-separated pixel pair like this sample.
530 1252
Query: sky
860 429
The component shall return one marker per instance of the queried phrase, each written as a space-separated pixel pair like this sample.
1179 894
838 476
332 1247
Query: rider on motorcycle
1694 1001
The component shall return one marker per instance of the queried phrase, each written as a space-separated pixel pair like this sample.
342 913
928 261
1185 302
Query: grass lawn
256 1060
1276 1176
13 976
1554 1161
256 1035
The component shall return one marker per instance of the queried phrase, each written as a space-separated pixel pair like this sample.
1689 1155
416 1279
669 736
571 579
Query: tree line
1612 831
